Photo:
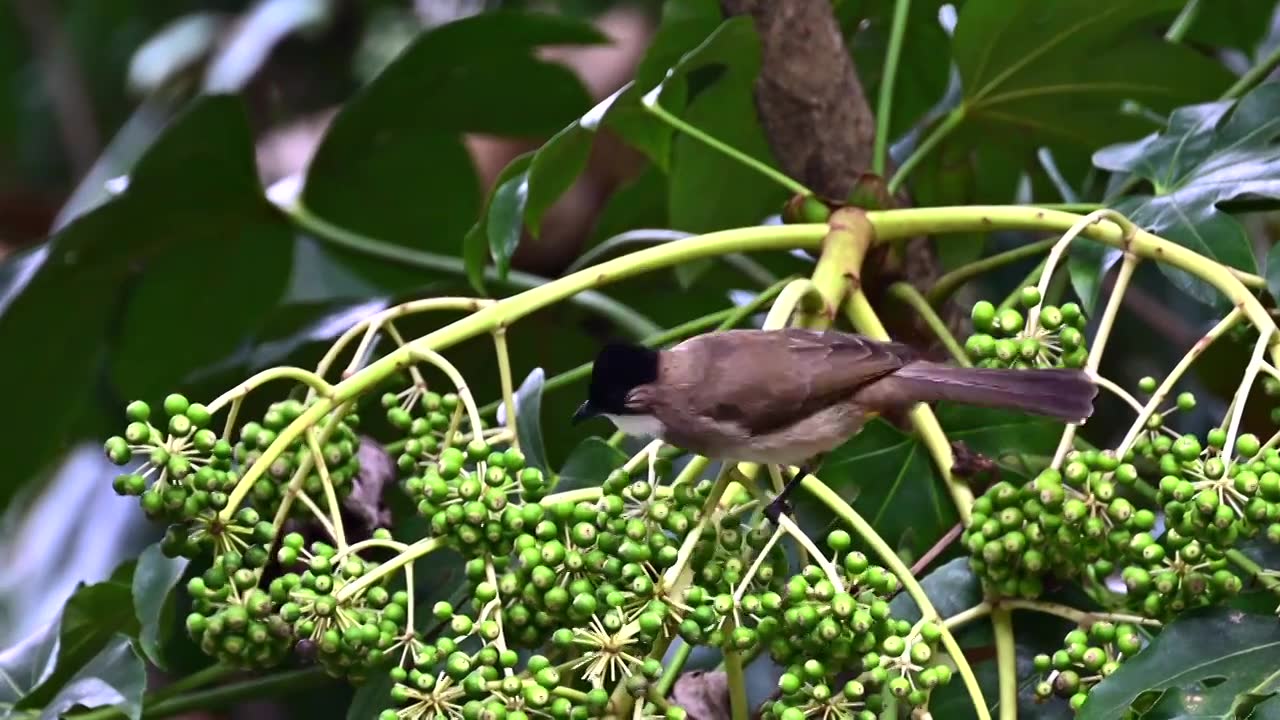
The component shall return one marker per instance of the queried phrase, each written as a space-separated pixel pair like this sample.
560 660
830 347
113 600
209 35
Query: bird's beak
584 412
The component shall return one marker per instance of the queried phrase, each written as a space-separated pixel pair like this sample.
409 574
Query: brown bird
790 396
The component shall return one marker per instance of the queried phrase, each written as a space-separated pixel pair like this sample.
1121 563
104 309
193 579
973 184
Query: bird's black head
617 369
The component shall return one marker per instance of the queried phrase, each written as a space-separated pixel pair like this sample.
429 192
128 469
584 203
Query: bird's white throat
638 425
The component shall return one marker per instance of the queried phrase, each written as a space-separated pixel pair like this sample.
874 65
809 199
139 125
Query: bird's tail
1063 394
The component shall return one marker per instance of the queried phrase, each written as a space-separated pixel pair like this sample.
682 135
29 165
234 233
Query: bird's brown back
765 380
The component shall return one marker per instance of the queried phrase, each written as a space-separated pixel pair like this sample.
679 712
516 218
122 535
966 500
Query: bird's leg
653 461
780 504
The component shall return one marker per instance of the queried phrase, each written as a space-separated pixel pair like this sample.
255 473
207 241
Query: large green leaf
1061 69
92 617
923 67
115 677
1220 661
194 193
889 477
726 111
1209 154
153 579
531 183
393 165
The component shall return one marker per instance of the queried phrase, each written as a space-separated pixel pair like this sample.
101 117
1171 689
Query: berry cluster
1087 656
1210 499
184 477
1156 438
1004 338
1070 524
295 467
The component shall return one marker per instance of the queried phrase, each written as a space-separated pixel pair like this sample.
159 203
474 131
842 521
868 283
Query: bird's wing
764 380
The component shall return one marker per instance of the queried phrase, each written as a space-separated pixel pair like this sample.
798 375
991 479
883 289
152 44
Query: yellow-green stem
632 322
948 284
1006 662
1080 617
925 422
907 293
793 299
306 377
369 327
1060 250
1265 337
1166 386
672 671
508 387
739 708
895 564
888 79
1099 345
939 133
965 617
1182 24
330 495
423 547
650 102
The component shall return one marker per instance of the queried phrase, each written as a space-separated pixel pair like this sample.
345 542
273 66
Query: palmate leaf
1209 154
1060 70
1215 663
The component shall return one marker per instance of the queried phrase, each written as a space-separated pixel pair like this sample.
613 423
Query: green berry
1029 296
176 404
983 315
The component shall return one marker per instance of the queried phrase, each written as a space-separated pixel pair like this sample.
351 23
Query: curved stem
306 377
888 225
895 564
1060 249
1127 268
1254 77
739 707
925 422
1032 277
1006 662
464 392
1242 394
633 322
1111 387
369 327
949 283
330 495
907 293
965 617
650 102
1182 24
421 548
1172 378
672 671
832 572
508 387
1080 617
369 543
794 296
910 222
888 79
748 267
940 131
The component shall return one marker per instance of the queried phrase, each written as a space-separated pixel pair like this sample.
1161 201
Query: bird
788 397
